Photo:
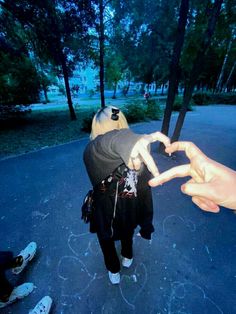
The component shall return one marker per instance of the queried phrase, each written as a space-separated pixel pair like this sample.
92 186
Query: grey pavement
188 267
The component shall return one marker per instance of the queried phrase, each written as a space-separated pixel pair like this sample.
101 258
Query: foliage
59 32
19 80
39 129
61 89
19 83
91 93
87 122
178 104
135 111
153 111
141 110
143 34
113 69
201 99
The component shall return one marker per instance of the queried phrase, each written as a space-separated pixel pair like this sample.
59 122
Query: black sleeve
145 204
118 144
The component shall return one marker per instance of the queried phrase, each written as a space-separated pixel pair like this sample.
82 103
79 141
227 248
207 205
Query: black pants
111 258
6 262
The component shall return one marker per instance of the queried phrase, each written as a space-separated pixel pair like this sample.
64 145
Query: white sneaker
43 306
19 292
27 254
127 262
114 278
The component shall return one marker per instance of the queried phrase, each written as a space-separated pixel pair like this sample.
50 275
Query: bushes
201 99
178 104
154 111
140 110
135 111
87 122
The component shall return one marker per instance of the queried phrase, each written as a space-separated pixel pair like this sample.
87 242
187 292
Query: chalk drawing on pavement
181 294
187 222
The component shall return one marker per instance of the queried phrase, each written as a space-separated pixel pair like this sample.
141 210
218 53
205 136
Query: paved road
189 267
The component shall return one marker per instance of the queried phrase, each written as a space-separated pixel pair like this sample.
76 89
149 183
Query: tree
143 33
174 67
101 51
59 30
113 70
213 13
19 80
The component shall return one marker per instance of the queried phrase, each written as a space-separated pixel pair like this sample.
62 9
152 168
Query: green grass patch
39 129
51 125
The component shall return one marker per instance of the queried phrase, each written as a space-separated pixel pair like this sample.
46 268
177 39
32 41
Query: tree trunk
101 52
220 79
156 87
162 89
45 94
68 93
226 87
127 89
128 86
196 69
174 68
114 91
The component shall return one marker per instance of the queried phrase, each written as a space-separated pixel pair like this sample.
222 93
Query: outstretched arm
211 185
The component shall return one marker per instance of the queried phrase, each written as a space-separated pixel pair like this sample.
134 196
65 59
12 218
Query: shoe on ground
18 292
127 262
114 278
43 306
27 254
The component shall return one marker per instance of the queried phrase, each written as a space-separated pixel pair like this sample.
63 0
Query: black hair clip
114 115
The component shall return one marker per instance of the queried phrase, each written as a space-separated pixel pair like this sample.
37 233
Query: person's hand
140 152
212 184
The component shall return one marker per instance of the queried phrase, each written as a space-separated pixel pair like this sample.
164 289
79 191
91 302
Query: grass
38 130
47 127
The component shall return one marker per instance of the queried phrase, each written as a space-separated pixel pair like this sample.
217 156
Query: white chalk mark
188 223
83 268
208 252
37 213
179 291
73 236
139 290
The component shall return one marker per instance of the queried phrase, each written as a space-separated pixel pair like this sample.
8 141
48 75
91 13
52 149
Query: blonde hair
103 122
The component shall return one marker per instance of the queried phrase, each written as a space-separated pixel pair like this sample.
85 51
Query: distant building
85 78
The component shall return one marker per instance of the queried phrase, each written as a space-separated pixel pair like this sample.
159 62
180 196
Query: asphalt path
188 267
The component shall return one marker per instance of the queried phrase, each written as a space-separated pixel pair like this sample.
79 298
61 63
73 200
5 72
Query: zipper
114 210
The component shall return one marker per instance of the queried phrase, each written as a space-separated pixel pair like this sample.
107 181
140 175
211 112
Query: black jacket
134 207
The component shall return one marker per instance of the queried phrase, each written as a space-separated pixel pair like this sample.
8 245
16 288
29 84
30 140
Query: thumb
198 189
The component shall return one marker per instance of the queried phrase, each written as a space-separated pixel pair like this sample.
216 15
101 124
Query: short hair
103 121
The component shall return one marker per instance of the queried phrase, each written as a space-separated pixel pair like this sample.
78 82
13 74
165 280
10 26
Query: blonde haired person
117 161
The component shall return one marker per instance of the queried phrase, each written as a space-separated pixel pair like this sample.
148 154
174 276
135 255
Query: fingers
198 189
158 136
140 151
149 162
205 204
136 163
180 171
190 149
